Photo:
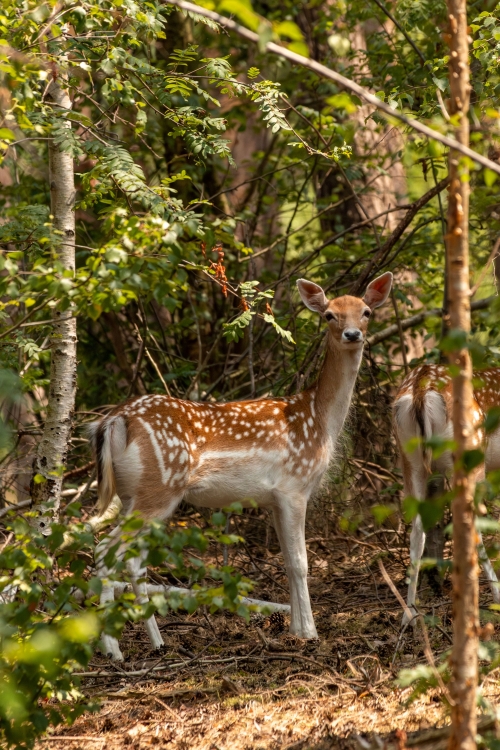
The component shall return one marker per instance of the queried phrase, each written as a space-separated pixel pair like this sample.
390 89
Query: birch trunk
53 447
465 569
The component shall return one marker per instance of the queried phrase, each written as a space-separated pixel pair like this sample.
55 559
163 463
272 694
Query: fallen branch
207 662
76 490
154 588
121 587
409 614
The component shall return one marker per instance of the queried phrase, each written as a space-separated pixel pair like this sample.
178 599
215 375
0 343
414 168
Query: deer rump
426 414
422 415
422 410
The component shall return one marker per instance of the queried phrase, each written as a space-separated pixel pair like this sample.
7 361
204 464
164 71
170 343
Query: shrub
51 621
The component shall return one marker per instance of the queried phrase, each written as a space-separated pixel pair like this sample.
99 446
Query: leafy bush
51 621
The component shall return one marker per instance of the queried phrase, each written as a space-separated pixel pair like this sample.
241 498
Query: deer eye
367 313
330 316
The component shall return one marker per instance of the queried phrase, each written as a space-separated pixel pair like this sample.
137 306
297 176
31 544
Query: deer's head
347 316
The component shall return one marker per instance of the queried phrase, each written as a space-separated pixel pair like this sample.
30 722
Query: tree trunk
465 570
53 448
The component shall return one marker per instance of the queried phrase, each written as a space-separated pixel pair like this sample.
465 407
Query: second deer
423 410
154 451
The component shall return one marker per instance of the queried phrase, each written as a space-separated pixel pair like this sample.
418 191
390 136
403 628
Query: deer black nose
352 335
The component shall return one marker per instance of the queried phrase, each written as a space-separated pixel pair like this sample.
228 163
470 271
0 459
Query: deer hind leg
289 519
148 504
484 560
109 644
488 569
415 482
137 571
417 543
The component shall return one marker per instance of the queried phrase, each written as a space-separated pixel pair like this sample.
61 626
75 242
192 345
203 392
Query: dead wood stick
75 490
80 738
154 588
427 646
167 707
80 470
394 590
22 504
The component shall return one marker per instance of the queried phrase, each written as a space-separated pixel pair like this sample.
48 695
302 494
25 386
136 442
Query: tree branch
378 259
322 70
415 320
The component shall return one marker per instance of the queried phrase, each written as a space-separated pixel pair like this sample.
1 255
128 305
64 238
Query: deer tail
108 438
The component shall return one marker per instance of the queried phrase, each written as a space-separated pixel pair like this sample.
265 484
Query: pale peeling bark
53 447
465 569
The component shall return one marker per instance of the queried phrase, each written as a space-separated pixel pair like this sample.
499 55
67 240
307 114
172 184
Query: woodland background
208 178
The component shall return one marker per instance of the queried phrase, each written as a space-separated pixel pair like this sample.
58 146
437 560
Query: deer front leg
417 543
289 519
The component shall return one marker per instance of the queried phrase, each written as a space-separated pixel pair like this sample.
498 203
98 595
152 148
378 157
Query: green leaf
342 101
431 512
265 32
492 419
410 508
281 331
300 48
454 341
339 44
289 29
471 459
489 177
441 83
242 11
219 518
7 135
382 512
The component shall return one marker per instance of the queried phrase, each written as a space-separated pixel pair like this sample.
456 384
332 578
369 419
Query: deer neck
335 386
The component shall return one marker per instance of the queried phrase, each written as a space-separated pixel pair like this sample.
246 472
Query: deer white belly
223 477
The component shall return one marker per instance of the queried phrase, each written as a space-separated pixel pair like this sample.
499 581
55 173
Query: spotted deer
154 451
423 410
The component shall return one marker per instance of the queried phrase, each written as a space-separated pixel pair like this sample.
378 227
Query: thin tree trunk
53 448
465 570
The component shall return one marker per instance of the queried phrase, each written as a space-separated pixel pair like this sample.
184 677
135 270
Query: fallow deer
154 451
423 410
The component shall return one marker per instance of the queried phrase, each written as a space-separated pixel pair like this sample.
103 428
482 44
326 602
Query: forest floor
222 683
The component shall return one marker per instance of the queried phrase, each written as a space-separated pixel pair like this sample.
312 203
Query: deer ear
378 290
312 295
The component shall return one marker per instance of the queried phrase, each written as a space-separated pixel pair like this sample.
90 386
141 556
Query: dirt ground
222 683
